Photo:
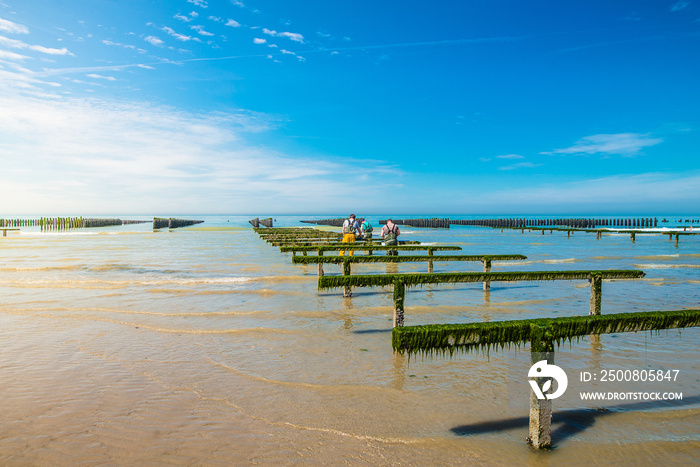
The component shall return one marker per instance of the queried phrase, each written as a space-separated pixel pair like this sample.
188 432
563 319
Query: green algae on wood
379 280
403 259
365 247
448 338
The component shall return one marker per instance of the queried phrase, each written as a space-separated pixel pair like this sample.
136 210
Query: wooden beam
542 334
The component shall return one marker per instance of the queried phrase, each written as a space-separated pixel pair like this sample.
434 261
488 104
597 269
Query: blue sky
264 106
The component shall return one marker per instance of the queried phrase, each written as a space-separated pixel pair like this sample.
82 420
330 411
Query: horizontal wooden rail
402 259
542 334
401 281
347 260
363 247
378 280
448 338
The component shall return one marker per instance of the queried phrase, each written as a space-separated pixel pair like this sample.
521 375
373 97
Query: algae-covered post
539 428
399 295
487 268
347 292
542 334
596 293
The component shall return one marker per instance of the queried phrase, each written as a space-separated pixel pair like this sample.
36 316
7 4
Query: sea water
205 345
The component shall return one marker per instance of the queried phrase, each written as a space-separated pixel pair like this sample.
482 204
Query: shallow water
205 345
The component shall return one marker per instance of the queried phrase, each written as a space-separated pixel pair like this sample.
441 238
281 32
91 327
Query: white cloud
96 76
290 35
153 40
178 36
186 19
237 3
233 23
142 158
680 5
15 44
288 52
201 31
510 156
258 40
4 55
126 46
13 28
519 165
199 3
624 144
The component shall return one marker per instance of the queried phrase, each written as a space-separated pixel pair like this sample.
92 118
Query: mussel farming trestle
401 281
542 334
172 223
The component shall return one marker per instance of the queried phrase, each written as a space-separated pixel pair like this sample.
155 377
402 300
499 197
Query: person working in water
366 229
390 232
350 230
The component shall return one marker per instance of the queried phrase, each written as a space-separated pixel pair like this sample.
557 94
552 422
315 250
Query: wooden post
347 292
632 236
487 268
320 269
677 240
399 294
596 294
540 427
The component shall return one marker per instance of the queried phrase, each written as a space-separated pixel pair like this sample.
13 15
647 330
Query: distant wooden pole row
433 223
172 223
264 222
331 222
578 223
19 222
444 223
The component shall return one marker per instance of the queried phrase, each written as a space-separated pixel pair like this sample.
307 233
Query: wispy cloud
233 23
12 28
154 40
290 35
176 35
186 19
510 156
519 165
96 76
136 157
199 3
624 144
680 5
200 30
259 40
15 44
126 46
12 56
